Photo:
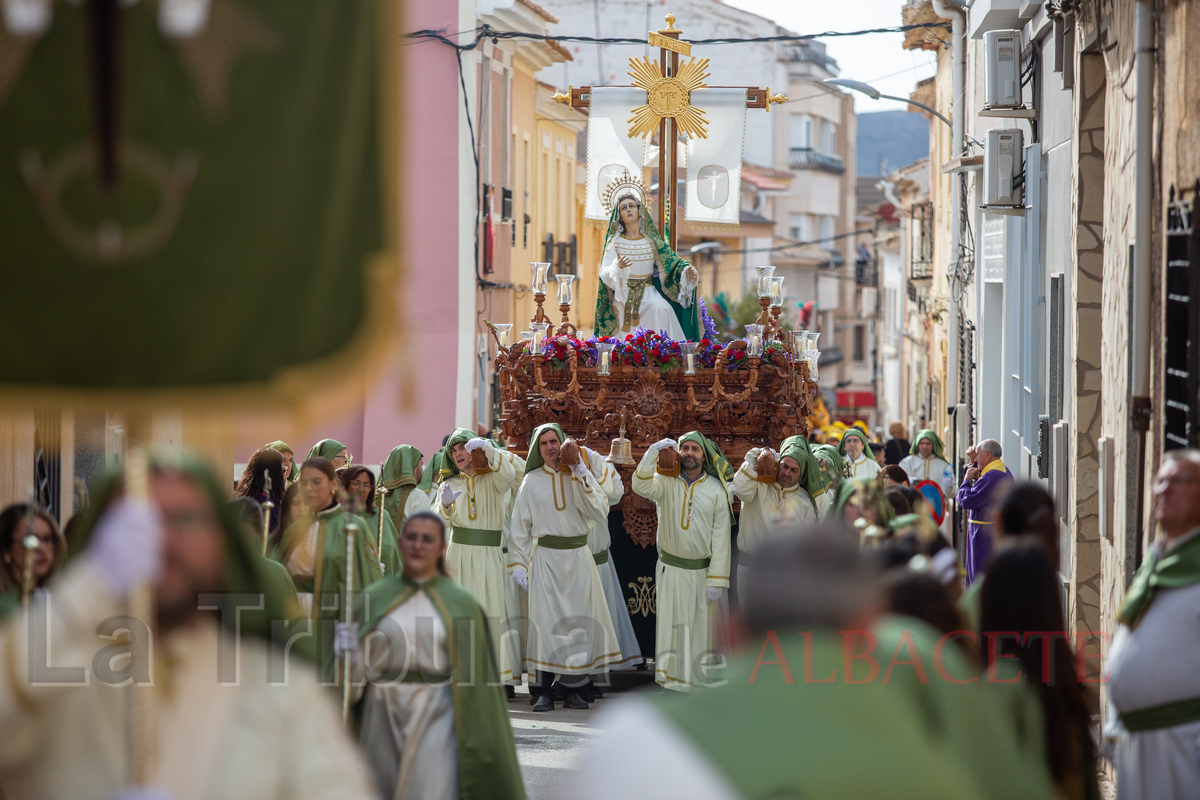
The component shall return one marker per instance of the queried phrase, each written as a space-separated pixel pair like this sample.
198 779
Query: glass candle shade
777 291
541 273
799 344
539 336
689 357
812 340
764 280
812 357
504 333
754 341
565 295
604 352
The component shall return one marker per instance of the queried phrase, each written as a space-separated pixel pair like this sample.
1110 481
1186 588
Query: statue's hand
623 262
692 275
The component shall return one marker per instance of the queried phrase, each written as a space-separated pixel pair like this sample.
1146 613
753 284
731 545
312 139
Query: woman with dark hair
291 470
265 463
894 476
434 720
358 484
313 549
1019 607
917 590
47 556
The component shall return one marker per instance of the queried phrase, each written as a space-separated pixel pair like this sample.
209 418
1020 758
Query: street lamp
873 93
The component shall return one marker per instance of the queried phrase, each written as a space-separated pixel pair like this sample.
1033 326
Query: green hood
283 447
460 436
397 477
326 448
246 571
667 281
715 463
431 471
831 454
931 436
869 492
812 477
534 460
862 437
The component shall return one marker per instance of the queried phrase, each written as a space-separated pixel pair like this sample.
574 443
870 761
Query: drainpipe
1143 109
954 13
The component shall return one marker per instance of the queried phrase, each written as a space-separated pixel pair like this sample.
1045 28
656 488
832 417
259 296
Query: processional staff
268 507
348 617
381 510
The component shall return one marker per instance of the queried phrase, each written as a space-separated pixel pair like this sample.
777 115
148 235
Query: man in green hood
235 716
926 463
694 521
785 501
855 447
332 450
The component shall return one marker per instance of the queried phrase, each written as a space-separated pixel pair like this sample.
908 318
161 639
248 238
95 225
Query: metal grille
920 222
47 461
1181 383
966 371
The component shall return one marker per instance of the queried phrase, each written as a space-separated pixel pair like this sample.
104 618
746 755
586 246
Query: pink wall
412 401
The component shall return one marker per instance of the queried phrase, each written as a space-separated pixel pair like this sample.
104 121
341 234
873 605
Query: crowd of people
861 653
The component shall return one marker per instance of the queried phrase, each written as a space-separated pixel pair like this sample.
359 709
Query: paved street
549 744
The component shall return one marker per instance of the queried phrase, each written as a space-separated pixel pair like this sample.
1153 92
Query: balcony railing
810 158
864 272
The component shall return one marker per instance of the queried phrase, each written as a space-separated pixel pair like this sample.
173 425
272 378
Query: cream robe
693 522
478 569
599 541
246 738
417 501
864 467
1151 665
929 469
766 508
408 728
570 628
514 635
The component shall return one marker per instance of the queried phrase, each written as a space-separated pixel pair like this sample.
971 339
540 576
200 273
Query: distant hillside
895 137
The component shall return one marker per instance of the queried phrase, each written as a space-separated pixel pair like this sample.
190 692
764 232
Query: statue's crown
622 185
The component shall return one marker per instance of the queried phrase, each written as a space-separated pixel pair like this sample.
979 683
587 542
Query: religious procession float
655 367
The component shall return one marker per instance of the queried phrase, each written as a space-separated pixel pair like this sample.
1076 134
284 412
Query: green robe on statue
667 280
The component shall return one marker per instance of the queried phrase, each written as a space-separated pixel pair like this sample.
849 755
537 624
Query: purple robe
978 498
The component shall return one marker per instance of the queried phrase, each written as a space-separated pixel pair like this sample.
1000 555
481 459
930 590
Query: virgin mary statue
643 282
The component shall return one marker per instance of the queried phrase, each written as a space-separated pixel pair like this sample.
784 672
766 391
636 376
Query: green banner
235 245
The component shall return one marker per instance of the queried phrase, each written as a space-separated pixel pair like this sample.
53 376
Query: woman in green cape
643 282
432 682
332 451
358 486
401 474
313 550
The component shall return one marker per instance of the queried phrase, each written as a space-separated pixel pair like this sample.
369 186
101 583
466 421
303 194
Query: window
800 227
826 229
801 133
860 343
828 137
1181 353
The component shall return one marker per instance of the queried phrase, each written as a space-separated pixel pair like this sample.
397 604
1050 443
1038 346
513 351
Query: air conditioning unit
1004 170
1003 72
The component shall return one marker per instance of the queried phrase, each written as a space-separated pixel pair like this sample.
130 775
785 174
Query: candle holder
776 291
689 357
799 344
764 280
754 341
539 336
541 272
812 357
503 333
604 357
565 297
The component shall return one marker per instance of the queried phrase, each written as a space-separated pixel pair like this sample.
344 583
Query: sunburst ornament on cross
668 97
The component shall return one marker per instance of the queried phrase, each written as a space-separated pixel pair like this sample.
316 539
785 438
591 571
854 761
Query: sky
878 58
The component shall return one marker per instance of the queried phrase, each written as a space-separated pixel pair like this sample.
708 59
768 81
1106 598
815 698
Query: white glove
713 593
580 470
665 444
141 793
752 454
521 578
448 495
127 545
345 639
475 444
